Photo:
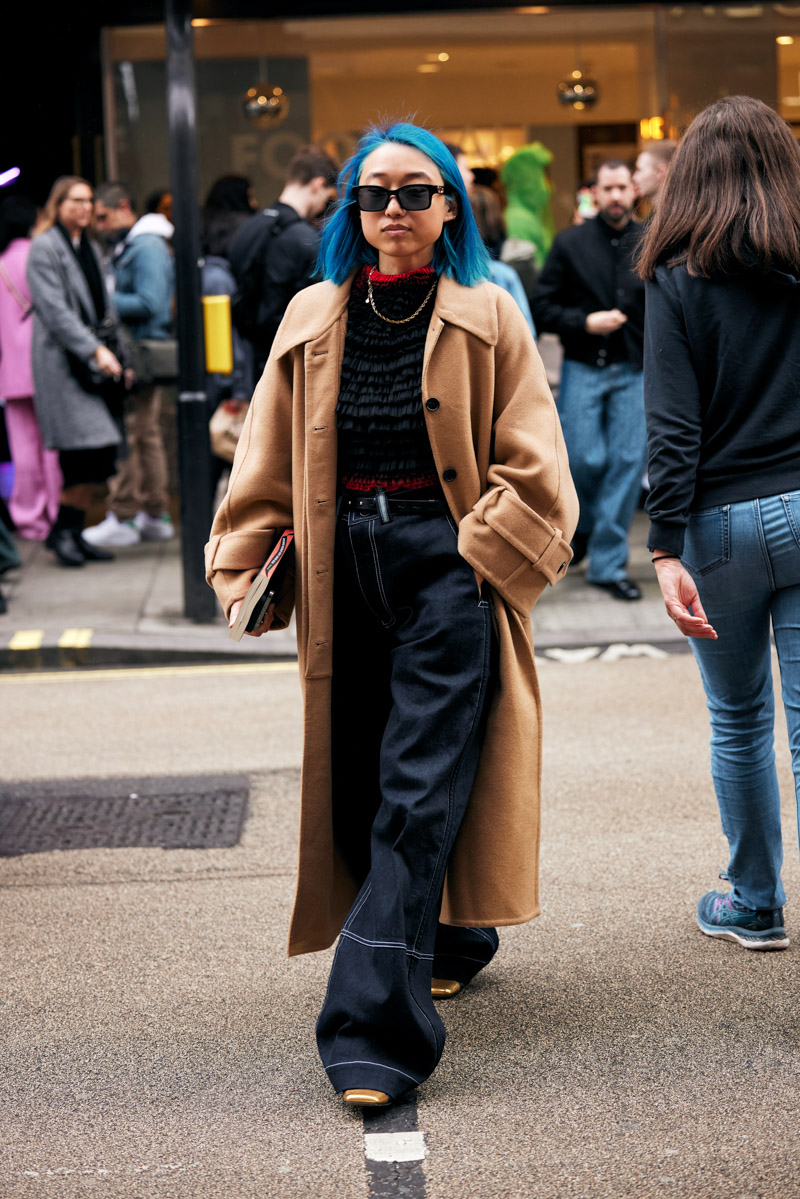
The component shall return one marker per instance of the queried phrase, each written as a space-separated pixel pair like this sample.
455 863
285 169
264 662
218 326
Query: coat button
431 404
450 474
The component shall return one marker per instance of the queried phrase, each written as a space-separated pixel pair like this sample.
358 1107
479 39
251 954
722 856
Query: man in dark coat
274 255
589 295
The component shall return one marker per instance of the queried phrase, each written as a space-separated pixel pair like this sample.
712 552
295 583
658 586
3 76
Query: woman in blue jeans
721 260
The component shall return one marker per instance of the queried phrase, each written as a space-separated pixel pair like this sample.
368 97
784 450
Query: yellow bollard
217 328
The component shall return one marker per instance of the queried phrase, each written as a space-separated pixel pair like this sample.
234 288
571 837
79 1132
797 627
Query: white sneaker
154 528
113 532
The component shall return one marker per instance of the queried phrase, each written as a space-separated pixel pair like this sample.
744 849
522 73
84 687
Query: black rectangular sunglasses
413 197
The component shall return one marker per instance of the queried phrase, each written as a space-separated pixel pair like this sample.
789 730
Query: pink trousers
37 479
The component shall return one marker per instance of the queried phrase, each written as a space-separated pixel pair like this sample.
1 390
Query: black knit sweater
721 390
383 441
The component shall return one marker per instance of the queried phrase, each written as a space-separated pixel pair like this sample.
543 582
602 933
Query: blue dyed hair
459 252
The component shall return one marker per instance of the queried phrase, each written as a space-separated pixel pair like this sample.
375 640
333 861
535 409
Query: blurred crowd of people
87 348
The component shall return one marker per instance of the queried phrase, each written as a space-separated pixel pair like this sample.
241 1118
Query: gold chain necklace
371 300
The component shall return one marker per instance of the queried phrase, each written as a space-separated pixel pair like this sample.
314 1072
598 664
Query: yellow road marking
27 639
75 638
148 672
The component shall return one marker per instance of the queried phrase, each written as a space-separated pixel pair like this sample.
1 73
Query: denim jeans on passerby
411 670
745 560
602 415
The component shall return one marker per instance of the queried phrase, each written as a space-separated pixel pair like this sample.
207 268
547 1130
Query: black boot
61 538
91 553
62 543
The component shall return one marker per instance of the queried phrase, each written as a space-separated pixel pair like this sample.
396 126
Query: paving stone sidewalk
131 611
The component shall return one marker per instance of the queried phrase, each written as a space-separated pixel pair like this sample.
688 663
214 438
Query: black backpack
248 253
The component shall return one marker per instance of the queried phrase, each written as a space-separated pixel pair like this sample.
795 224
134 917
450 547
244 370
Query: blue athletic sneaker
718 916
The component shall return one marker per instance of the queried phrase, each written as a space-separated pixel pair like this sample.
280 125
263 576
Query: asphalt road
157 1041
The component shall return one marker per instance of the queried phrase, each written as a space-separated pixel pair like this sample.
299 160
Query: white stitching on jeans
380 1065
426 957
392 618
358 573
453 773
356 910
462 957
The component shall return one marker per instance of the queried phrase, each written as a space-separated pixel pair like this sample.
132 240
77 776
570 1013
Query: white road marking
584 653
394 1146
641 650
612 653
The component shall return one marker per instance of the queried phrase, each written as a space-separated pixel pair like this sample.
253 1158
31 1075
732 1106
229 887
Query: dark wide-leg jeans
411 670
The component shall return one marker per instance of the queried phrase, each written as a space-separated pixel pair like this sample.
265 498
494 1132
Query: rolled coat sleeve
517 535
258 505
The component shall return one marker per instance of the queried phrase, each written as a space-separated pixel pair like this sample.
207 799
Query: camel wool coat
498 447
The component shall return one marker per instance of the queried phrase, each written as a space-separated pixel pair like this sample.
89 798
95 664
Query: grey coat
69 417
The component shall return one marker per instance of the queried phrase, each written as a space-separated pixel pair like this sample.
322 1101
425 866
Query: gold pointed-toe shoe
444 988
363 1097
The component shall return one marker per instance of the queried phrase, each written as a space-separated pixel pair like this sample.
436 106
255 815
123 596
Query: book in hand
265 587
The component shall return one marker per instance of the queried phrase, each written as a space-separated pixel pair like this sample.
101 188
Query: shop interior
586 83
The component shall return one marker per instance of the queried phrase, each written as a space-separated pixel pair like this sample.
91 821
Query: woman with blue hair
403 427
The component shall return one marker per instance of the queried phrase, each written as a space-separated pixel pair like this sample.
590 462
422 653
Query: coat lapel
76 278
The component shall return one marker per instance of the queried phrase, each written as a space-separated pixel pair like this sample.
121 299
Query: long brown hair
58 193
731 197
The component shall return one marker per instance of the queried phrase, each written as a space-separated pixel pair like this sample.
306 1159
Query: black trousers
411 672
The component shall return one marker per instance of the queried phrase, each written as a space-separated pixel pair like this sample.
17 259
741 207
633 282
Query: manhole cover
201 813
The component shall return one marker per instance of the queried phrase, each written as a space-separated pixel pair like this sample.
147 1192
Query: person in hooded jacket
721 260
143 275
528 215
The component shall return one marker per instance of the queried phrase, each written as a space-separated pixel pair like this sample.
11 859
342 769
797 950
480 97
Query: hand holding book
265 625
254 614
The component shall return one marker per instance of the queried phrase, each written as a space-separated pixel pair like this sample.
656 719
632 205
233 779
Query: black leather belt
372 505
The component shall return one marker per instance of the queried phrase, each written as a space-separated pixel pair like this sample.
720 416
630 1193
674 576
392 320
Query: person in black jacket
722 385
274 255
589 295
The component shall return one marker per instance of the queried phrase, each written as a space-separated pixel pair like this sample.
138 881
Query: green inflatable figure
527 215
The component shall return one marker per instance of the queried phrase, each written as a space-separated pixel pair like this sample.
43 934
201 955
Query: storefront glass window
486 79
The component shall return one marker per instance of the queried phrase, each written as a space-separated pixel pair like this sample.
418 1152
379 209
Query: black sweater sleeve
674 416
552 310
